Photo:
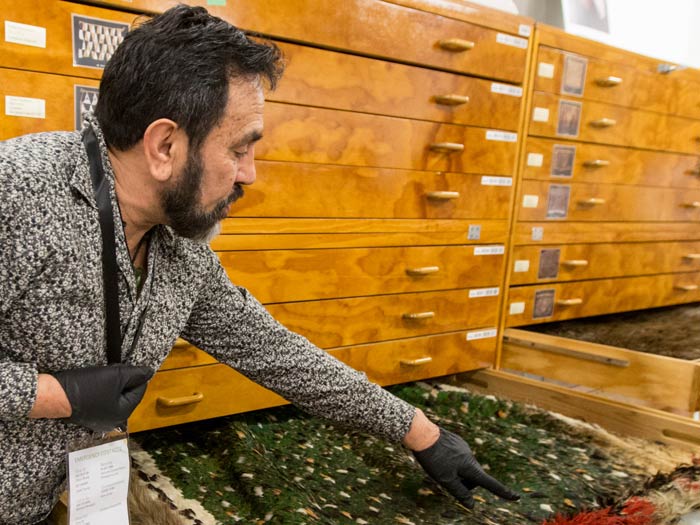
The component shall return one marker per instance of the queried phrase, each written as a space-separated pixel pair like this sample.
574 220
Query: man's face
211 180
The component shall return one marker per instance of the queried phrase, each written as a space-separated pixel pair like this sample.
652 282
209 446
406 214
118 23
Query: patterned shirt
52 318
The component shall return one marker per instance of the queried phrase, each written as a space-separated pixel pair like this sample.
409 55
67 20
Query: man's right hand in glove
99 398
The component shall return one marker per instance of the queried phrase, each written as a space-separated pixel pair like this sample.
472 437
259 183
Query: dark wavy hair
178 65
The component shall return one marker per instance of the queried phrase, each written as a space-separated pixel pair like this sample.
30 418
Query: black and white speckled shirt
52 318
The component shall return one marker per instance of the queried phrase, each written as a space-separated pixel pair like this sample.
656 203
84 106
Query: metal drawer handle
665 69
443 195
169 402
424 270
416 362
686 287
569 302
609 81
592 201
451 100
575 262
692 256
450 147
603 123
694 204
456 45
597 163
419 315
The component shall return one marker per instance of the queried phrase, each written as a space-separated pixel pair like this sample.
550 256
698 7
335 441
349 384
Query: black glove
103 397
450 462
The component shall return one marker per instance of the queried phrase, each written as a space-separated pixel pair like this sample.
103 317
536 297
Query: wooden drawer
180 396
358 320
556 302
42 36
372 28
184 355
548 159
421 357
304 134
299 275
606 202
282 190
686 100
33 102
573 262
317 77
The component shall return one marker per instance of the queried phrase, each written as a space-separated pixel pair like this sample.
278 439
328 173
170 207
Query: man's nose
246 169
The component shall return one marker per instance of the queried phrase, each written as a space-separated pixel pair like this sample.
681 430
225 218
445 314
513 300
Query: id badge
98 481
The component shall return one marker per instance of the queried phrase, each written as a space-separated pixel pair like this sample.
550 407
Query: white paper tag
511 40
25 107
524 30
535 160
483 292
487 180
540 115
506 89
537 233
482 334
530 201
496 249
516 308
98 484
522 265
545 70
502 136
25 34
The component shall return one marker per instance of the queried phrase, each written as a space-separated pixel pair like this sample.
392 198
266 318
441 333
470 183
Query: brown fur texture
147 508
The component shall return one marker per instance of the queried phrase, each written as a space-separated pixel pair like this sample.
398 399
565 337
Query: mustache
236 193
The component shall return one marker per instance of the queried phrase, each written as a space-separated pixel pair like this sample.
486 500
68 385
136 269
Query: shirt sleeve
230 324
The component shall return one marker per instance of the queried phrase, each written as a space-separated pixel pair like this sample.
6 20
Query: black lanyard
109 251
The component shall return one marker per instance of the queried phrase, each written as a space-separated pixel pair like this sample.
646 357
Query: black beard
181 207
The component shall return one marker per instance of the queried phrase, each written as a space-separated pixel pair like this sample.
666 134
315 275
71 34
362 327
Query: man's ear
164 147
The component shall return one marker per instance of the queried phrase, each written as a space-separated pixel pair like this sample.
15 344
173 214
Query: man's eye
240 154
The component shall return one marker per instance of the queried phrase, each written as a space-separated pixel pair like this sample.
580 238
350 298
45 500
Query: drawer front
60 37
687 99
304 134
606 202
370 27
345 322
567 118
184 355
300 275
556 302
282 190
421 357
539 233
548 159
572 262
34 102
180 396
374 86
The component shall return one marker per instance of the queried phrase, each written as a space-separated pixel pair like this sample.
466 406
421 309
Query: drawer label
85 99
531 201
95 40
545 70
489 250
574 78
569 118
516 308
549 263
524 30
558 201
25 107
510 40
535 160
482 334
505 89
521 265
501 136
474 233
563 160
483 292
544 304
25 34
537 233
540 115
496 181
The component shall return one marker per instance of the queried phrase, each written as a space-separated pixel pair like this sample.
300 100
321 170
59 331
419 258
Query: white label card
496 249
502 136
524 30
522 265
545 70
483 292
506 89
531 201
511 40
537 233
25 34
482 334
540 115
98 484
25 107
516 308
487 180
535 160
